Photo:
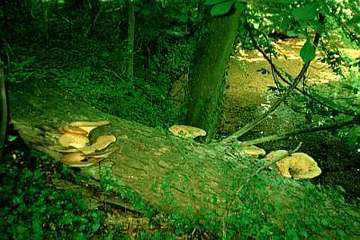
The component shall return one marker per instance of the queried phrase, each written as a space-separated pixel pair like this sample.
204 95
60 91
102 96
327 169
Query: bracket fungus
252 151
74 140
78 152
73 158
79 159
101 143
88 126
276 154
185 131
297 165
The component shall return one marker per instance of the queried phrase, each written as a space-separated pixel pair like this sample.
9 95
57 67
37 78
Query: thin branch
293 85
275 70
131 38
275 137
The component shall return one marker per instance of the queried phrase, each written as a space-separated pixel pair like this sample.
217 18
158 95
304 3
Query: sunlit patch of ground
249 77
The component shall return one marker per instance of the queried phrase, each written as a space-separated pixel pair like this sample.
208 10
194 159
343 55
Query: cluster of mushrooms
76 149
296 166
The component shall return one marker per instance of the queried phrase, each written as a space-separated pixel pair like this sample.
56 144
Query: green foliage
351 138
33 209
221 8
213 2
92 66
157 235
95 68
307 52
307 12
256 216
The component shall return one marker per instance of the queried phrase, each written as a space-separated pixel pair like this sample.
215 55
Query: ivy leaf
305 13
213 2
307 52
221 9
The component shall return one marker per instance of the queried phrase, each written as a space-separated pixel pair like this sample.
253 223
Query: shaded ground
246 96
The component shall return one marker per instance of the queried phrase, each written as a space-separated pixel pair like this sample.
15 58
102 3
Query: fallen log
178 176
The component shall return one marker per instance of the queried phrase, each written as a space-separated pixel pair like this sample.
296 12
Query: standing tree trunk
207 78
95 13
3 107
131 37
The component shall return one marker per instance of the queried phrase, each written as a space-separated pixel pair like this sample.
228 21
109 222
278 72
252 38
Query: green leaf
355 20
221 9
305 13
240 6
11 138
213 2
307 52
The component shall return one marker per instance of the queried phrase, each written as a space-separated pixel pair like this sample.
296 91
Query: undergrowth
266 206
95 66
31 208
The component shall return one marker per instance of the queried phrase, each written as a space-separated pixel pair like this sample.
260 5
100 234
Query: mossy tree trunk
207 76
173 175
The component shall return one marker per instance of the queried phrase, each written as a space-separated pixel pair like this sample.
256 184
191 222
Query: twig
275 70
276 137
113 72
293 85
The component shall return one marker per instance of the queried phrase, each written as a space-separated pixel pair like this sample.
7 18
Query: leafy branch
276 73
285 95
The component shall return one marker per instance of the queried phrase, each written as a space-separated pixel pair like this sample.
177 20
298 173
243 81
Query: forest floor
247 96
249 78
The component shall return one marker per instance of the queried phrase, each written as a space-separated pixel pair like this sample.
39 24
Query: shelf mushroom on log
88 126
78 152
185 131
252 151
73 140
297 165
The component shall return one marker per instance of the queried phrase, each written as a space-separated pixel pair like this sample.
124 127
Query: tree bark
144 158
207 77
4 108
75 4
131 39
168 173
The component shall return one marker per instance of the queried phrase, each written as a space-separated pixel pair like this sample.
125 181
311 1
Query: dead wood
168 173
285 135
